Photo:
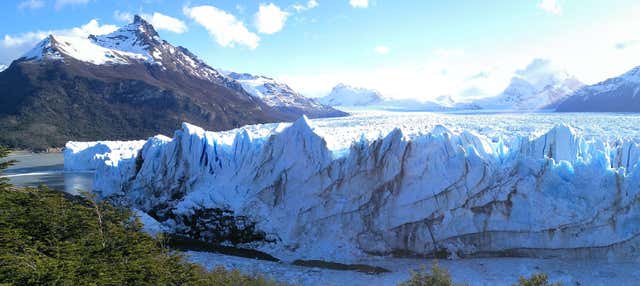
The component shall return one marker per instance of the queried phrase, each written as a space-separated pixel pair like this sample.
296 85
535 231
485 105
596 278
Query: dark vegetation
51 238
440 277
217 225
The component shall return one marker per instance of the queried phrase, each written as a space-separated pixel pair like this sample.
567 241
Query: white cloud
222 26
449 53
31 4
486 70
423 81
164 22
91 28
270 18
382 50
13 47
123 16
310 5
359 3
61 3
626 44
550 6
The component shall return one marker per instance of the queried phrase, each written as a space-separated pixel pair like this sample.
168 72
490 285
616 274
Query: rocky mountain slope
124 85
280 96
618 94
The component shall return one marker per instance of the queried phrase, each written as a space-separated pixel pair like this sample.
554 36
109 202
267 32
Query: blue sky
419 48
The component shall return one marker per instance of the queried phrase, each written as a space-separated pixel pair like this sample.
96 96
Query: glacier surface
87 156
415 190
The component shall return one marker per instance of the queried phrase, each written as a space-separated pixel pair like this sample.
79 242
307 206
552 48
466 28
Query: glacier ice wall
420 194
86 156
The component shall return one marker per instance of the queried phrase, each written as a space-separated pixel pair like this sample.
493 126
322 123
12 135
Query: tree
4 164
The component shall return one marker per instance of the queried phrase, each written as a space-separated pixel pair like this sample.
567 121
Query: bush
539 279
51 238
437 277
4 164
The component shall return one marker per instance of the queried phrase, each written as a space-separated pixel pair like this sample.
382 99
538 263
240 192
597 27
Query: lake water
35 169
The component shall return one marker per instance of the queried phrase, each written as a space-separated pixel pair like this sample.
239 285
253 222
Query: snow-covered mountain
411 191
618 94
280 96
3 67
122 85
536 87
134 43
347 96
350 96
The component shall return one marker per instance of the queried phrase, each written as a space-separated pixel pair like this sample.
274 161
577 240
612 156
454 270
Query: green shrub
539 279
437 277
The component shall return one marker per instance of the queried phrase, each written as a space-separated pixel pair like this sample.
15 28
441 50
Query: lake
35 169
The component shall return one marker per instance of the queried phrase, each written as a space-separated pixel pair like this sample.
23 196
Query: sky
405 49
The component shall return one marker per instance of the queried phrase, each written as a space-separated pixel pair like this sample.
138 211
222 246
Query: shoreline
31 151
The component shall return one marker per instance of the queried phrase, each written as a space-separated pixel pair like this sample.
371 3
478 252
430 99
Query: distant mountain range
346 96
129 84
523 95
618 94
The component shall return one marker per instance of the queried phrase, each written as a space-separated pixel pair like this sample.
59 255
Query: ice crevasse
440 192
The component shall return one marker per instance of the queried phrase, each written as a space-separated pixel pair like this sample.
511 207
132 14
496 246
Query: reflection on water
33 170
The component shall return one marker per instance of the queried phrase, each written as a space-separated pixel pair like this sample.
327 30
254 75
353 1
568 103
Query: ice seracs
87 156
430 192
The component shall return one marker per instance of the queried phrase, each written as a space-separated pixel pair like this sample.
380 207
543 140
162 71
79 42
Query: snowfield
475 272
378 183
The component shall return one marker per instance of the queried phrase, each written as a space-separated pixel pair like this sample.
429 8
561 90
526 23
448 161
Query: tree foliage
4 164
51 238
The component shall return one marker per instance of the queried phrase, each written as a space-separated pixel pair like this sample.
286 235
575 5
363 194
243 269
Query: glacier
407 192
87 156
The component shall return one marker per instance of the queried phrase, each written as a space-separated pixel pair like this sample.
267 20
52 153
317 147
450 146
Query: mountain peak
347 95
138 19
143 26
137 36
